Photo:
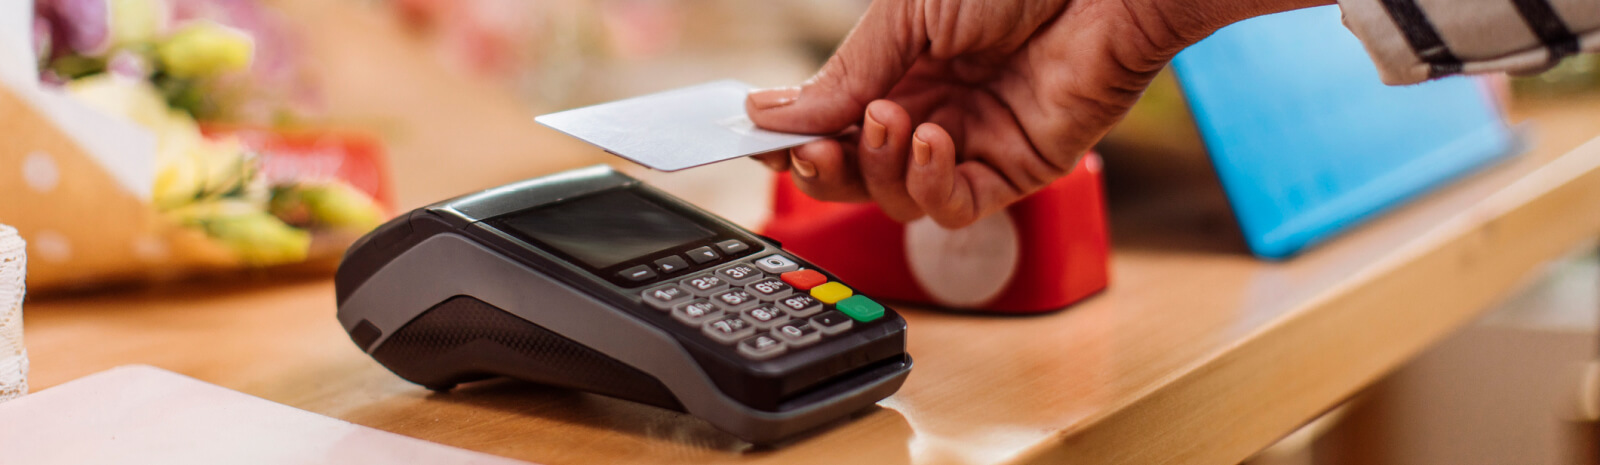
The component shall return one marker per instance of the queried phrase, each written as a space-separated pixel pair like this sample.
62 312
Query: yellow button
831 292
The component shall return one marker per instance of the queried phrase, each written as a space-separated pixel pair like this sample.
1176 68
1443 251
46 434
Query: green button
861 308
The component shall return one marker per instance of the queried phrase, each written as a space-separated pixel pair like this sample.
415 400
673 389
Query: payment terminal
592 280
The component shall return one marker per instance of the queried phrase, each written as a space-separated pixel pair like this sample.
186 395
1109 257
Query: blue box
1308 142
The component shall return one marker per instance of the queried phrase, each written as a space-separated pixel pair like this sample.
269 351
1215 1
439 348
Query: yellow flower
259 238
204 48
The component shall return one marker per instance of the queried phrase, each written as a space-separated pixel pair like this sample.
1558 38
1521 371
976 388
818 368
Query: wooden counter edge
1230 405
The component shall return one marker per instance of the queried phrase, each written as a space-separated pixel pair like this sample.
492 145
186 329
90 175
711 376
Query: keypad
831 292
729 329
695 312
770 289
797 333
732 247
670 265
776 264
734 300
763 308
766 316
804 279
638 274
664 297
800 305
860 308
703 255
761 346
704 284
739 274
832 322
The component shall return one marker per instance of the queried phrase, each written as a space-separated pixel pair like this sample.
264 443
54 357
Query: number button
797 333
800 305
728 329
734 300
704 284
832 322
761 347
664 297
695 312
739 274
766 316
776 264
770 289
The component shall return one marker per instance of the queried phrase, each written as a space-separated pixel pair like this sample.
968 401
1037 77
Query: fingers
883 153
776 161
868 63
952 194
823 171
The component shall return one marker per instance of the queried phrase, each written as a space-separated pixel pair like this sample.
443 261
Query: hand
1005 95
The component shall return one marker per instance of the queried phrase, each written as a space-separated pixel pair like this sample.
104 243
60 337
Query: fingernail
767 99
874 133
921 152
804 168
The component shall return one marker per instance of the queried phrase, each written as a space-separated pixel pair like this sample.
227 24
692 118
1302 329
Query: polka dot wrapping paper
13 357
77 186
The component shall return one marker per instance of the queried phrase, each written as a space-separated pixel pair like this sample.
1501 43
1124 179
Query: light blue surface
1308 142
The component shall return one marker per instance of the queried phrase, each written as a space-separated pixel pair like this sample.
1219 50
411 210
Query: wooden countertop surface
1198 353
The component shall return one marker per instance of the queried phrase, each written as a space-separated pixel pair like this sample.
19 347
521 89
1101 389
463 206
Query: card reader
592 280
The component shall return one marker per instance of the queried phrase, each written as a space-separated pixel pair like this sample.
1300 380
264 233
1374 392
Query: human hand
1004 95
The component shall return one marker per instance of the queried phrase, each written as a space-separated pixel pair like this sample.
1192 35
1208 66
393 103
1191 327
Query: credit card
675 129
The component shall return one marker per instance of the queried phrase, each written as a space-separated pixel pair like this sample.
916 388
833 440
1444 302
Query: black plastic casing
865 354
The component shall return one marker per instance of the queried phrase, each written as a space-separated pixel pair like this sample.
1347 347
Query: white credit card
676 129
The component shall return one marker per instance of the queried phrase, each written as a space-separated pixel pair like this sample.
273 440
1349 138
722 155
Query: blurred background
343 112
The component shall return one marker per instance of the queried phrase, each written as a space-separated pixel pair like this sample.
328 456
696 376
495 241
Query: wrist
1184 22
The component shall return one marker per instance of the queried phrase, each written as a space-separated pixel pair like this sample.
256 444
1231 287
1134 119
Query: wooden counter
1197 354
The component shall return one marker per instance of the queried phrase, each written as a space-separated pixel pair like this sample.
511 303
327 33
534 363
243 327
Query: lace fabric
13 357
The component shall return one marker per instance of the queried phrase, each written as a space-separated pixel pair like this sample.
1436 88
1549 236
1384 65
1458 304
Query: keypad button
739 274
703 255
695 312
732 247
734 300
797 333
804 279
761 347
704 284
671 264
664 297
832 322
776 264
800 305
831 292
770 289
638 274
861 308
766 316
728 329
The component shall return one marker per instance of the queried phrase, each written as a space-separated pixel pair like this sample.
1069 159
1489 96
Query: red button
804 279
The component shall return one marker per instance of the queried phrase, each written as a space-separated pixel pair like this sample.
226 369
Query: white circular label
964 267
51 246
40 172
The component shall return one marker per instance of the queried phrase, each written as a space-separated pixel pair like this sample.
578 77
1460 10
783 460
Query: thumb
866 66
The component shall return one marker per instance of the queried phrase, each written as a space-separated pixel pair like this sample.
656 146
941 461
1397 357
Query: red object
289 156
1042 254
804 279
